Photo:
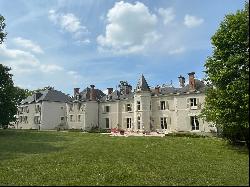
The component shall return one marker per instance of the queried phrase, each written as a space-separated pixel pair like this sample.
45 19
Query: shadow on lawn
15 143
242 149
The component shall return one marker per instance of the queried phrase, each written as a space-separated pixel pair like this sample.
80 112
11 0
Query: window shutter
188 103
124 108
168 120
198 103
124 123
167 105
103 109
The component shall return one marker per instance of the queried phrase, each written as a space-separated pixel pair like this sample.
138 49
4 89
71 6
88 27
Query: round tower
142 105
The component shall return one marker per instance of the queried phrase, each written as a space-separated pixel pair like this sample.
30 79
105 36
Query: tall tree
7 95
2 27
227 69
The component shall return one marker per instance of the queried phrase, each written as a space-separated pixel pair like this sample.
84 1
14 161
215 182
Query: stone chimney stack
157 90
181 81
191 81
76 91
92 93
110 90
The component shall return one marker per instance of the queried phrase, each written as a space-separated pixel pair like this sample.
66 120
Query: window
27 109
25 119
138 122
107 108
107 123
79 118
79 106
37 120
129 107
163 105
193 102
21 119
37 108
62 118
138 105
129 123
194 122
164 123
71 118
70 107
21 109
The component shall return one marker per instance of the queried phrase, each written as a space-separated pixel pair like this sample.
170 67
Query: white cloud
176 51
28 44
69 23
130 29
46 68
23 61
192 21
30 73
167 14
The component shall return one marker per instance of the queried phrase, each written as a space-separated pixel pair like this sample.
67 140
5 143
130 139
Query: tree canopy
2 27
226 102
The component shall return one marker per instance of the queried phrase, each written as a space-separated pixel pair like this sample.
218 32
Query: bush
186 134
75 130
98 130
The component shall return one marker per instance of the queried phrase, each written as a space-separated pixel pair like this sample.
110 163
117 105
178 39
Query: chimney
191 81
92 93
76 91
157 90
110 90
181 81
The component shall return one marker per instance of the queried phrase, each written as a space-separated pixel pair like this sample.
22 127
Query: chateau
164 108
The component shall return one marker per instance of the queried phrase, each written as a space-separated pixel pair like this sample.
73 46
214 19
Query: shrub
186 134
98 130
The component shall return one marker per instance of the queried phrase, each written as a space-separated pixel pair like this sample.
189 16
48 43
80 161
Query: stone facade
162 108
158 109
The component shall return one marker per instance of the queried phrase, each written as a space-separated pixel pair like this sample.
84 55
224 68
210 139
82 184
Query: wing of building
43 110
162 108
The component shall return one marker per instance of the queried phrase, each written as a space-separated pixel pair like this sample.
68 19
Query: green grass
75 158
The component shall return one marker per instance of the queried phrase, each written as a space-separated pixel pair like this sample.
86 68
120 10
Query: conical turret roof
142 84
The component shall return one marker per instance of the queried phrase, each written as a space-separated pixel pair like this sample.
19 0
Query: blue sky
69 44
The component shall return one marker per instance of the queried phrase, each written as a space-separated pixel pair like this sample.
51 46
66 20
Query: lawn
75 158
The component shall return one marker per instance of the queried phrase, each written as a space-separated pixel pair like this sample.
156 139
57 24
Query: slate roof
85 95
47 95
142 84
199 86
115 95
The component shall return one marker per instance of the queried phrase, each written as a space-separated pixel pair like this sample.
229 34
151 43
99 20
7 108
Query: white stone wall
74 113
113 114
144 113
30 117
51 115
126 114
157 113
91 115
